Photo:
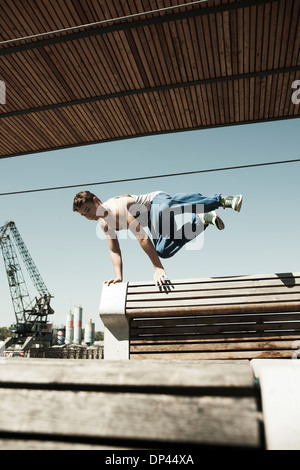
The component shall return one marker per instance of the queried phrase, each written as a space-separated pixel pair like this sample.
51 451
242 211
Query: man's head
86 204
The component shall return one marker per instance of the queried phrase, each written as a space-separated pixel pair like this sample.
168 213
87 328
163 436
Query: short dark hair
81 198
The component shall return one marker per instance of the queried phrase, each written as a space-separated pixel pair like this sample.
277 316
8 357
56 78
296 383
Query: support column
116 325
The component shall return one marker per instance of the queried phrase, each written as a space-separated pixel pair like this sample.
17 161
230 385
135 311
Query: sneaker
212 218
234 202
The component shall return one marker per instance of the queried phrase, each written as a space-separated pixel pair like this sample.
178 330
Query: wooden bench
242 317
87 404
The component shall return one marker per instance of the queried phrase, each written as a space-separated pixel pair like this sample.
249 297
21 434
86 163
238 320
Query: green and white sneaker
233 202
212 218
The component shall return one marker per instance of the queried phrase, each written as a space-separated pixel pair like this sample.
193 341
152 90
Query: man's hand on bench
159 276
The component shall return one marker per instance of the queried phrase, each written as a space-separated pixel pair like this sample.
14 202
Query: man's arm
115 253
148 247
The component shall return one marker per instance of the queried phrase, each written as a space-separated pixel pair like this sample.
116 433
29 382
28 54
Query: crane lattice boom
31 316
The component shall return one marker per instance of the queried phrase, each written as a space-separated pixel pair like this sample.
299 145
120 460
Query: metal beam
133 25
172 86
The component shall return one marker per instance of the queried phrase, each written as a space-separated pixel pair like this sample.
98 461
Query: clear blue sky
74 262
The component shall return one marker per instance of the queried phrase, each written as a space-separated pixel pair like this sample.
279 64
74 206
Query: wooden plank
162 418
120 374
31 444
258 277
170 286
217 329
181 402
223 355
220 338
214 301
264 307
235 346
194 294
188 320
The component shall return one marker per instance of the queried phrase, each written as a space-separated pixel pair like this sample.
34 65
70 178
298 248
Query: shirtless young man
156 211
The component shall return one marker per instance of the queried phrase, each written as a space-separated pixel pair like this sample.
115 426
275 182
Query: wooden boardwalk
87 404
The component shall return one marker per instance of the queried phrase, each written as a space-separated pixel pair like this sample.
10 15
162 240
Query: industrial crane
31 315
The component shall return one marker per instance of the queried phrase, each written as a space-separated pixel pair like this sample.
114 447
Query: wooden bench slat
50 372
208 329
220 338
233 299
31 444
235 346
205 420
181 402
224 355
189 320
181 290
263 307
280 276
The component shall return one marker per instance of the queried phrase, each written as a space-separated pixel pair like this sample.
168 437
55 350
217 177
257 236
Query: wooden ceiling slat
210 39
240 33
259 37
258 98
186 65
286 100
242 100
296 48
145 114
206 104
227 103
272 39
219 109
286 33
186 100
199 104
197 111
234 42
202 48
114 114
279 33
252 39
265 20
152 111
169 120
227 43
274 94
246 54
236 117
294 34
261 99
277 101
207 48
170 53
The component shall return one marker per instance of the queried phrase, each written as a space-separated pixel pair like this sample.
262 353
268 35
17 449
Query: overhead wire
140 178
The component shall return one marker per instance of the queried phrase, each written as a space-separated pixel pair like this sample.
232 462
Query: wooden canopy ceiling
209 64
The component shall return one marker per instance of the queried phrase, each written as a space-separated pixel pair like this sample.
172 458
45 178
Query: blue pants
168 239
